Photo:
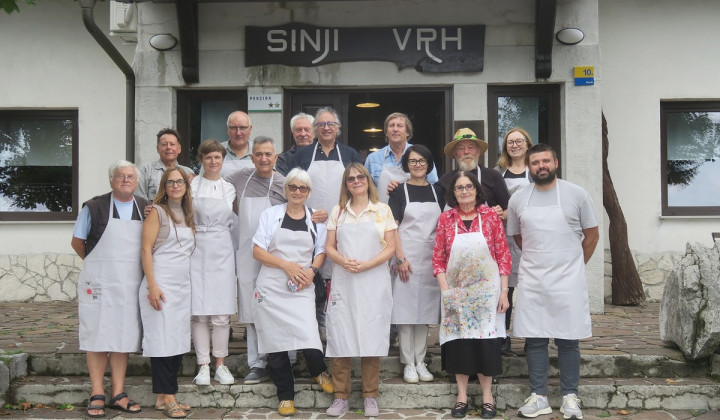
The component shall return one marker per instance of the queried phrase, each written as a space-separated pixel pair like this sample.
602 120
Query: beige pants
413 342
341 370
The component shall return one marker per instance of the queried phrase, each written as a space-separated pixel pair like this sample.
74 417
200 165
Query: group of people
268 235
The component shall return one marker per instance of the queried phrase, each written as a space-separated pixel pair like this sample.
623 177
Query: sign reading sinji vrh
434 49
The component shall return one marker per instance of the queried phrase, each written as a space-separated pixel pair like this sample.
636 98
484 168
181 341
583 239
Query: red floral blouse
492 229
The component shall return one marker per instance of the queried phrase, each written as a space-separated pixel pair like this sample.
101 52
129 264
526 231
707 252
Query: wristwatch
314 269
401 261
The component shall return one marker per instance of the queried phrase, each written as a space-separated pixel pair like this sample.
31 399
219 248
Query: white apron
390 173
360 304
469 305
167 332
212 265
231 166
108 312
326 177
247 267
285 320
551 297
513 185
418 300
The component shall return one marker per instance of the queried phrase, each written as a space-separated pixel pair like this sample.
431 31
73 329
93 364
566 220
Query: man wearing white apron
325 161
239 129
168 148
107 236
555 225
384 164
257 189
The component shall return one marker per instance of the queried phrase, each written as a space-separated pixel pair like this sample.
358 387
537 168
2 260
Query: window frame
670 106
48 114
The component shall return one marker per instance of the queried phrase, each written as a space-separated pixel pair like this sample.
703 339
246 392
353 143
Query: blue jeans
538 360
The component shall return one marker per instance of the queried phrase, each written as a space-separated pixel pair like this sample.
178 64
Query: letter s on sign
278 40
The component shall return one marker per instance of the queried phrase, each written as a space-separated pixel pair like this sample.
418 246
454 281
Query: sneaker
410 374
223 375
325 382
535 405
571 407
423 374
371 408
286 408
203 377
338 408
255 376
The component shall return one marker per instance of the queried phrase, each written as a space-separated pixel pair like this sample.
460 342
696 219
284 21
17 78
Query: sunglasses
352 179
303 189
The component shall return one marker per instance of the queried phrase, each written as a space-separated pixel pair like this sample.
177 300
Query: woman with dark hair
471 262
168 241
212 266
360 241
416 205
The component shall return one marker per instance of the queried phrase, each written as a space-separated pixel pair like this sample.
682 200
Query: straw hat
464 134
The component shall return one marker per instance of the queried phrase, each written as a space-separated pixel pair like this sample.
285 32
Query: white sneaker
423 373
410 374
571 407
223 375
203 377
535 405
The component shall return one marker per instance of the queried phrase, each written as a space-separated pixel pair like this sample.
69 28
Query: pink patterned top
492 229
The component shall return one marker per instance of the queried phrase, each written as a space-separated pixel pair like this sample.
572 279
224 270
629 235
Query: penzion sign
434 49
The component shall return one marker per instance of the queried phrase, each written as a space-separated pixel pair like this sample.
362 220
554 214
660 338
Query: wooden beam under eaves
544 33
187 14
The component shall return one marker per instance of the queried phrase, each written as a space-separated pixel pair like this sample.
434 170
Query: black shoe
488 411
460 410
506 347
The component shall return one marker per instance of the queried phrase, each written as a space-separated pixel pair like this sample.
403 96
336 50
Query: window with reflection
38 170
690 158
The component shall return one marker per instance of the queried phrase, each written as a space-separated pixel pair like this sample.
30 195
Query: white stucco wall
654 50
51 61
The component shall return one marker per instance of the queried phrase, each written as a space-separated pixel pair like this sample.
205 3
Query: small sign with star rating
266 102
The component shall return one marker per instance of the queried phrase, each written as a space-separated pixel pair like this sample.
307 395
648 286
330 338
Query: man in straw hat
467 149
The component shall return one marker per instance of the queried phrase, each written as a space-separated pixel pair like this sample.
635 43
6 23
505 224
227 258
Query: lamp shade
163 42
569 36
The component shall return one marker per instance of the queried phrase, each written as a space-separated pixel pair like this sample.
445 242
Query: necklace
471 213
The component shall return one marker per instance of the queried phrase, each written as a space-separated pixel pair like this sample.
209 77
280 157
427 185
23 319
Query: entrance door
363 127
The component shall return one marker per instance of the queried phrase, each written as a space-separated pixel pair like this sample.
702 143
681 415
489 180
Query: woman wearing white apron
512 165
212 266
292 249
168 241
416 205
107 237
471 261
360 241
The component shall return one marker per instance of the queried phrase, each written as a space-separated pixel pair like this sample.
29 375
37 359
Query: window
536 108
38 164
690 158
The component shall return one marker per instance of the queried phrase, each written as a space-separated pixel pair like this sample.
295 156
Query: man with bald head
239 129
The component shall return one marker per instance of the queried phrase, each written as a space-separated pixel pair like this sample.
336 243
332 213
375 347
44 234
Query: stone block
12 290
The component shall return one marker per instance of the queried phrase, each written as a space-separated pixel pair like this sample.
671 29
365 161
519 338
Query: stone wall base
653 269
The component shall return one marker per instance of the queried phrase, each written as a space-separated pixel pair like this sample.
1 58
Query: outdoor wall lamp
163 42
569 36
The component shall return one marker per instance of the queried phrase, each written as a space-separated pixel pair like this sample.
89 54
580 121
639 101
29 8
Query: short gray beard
467 165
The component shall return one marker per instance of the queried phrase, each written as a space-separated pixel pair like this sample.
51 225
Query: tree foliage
10 6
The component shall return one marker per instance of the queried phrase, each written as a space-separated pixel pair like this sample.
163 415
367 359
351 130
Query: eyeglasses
329 124
517 142
238 127
121 177
417 162
303 189
178 182
352 179
461 188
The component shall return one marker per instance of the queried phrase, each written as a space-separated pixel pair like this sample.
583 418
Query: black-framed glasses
461 188
178 182
352 179
302 188
329 124
417 162
517 142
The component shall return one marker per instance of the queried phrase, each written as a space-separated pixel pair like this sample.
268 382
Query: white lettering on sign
426 36
308 41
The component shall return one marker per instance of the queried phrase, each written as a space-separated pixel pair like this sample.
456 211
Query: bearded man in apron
107 236
555 225
325 161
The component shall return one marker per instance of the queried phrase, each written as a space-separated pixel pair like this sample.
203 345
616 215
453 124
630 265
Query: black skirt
472 356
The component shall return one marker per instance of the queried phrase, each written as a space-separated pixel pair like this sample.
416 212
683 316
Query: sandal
114 404
460 410
174 411
185 407
95 407
488 411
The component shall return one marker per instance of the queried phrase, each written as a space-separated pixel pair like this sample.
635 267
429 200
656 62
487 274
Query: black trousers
281 370
509 311
164 374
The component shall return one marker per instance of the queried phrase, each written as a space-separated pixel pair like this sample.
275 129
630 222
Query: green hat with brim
464 134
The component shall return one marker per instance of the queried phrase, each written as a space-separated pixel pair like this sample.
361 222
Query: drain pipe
87 7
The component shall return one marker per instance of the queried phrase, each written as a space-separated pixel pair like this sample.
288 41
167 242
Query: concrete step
599 393
592 365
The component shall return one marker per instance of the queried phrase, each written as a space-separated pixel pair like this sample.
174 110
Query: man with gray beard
467 149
